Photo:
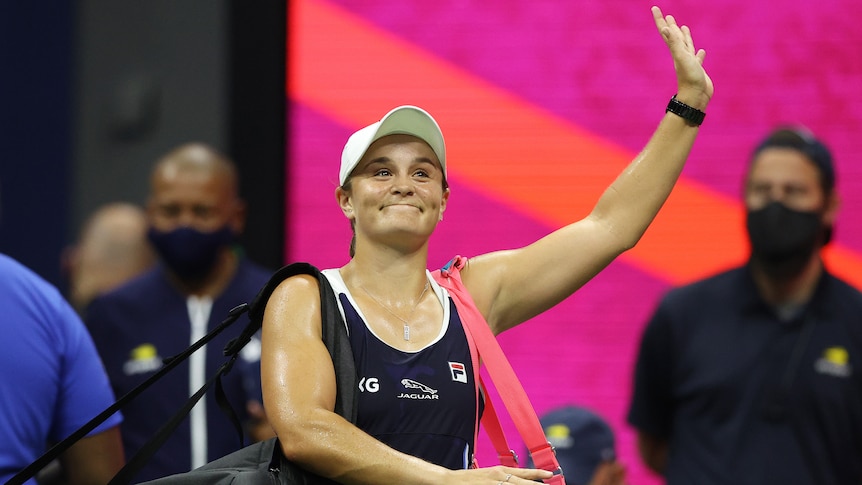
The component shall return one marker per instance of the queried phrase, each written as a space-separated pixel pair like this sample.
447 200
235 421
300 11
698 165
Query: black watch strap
694 116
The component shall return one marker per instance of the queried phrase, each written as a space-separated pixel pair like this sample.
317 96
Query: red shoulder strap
506 455
502 375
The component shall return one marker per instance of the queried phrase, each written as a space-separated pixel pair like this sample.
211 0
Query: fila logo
458 371
370 384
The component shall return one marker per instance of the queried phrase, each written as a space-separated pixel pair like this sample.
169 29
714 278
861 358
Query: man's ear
237 221
830 212
150 208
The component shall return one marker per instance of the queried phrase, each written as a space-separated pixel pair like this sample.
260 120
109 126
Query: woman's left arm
510 287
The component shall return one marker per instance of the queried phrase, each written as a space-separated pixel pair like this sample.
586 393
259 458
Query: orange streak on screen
511 150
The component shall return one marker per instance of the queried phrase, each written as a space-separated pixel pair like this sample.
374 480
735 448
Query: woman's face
396 193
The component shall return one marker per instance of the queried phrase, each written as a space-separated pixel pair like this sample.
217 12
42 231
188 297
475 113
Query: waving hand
693 83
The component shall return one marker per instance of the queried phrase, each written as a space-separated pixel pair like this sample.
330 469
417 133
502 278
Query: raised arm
299 395
510 287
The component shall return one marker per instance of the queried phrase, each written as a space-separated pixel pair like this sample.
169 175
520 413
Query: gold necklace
406 321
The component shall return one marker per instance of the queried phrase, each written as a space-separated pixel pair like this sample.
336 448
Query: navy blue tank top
422 403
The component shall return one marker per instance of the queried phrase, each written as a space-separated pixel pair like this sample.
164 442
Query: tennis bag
258 463
263 462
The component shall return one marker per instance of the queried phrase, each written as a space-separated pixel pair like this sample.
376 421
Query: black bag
258 463
263 462
255 464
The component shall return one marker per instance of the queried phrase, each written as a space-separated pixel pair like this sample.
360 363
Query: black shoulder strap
169 364
333 328
338 343
334 335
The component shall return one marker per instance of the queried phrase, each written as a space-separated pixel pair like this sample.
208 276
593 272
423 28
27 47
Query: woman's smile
402 206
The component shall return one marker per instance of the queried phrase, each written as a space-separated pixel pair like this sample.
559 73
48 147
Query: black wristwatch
694 116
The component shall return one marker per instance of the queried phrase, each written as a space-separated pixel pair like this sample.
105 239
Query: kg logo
369 384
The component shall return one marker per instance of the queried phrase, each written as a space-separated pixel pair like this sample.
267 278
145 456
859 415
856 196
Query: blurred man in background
194 215
111 249
753 376
585 446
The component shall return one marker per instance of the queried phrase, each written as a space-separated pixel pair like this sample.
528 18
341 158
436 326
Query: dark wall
149 76
35 140
155 74
95 91
258 121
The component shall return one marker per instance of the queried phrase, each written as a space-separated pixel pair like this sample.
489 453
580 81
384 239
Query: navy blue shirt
147 320
422 403
711 378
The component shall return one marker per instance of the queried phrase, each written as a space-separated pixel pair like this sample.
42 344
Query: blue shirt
52 381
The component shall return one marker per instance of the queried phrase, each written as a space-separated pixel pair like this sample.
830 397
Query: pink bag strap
502 375
506 455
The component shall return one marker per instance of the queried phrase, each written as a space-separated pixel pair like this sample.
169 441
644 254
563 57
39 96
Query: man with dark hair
195 215
753 376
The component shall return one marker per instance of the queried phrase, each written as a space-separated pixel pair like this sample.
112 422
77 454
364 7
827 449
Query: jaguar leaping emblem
411 384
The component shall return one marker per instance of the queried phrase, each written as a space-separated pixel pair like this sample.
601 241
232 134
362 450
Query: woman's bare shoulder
295 299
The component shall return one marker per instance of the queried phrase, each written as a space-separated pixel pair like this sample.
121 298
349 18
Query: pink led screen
542 103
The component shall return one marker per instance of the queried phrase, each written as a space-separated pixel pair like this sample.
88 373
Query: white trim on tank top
338 286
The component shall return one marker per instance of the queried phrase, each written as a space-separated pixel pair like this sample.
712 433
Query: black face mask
190 253
783 239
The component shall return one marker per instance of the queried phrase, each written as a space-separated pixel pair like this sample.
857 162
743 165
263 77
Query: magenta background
601 65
